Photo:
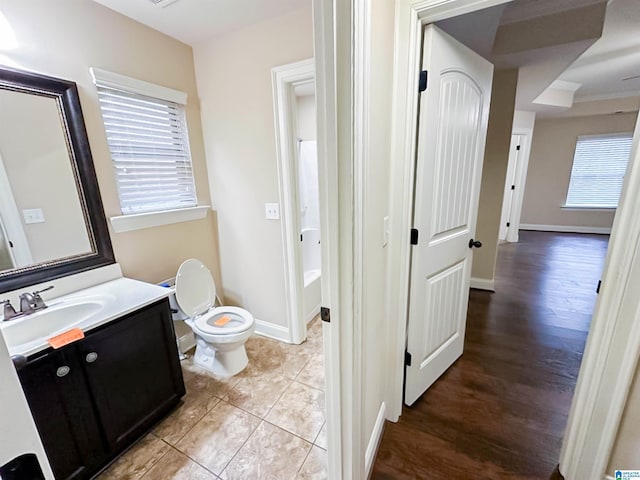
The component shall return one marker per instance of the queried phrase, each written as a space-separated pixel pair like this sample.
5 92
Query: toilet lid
195 288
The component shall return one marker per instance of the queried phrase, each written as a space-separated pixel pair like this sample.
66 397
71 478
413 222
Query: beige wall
234 82
494 172
552 150
66 37
34 153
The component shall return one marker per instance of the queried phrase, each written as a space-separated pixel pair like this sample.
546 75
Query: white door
452 132
509 186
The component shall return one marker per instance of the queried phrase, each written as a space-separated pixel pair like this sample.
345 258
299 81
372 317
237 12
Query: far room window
599 166
147 134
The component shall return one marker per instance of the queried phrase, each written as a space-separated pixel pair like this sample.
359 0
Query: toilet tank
176 313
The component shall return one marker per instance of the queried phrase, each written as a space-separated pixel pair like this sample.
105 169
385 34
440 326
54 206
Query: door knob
474 243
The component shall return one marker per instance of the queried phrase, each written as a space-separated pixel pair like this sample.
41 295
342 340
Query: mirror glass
52 223
41 215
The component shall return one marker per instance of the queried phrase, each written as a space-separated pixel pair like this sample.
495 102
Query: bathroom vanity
93 398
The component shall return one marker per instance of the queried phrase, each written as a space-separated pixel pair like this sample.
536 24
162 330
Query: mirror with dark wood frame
52 223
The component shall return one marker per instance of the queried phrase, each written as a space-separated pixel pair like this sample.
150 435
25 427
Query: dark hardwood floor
500 411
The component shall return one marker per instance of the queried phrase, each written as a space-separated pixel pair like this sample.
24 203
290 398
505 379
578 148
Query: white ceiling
601 70
193 21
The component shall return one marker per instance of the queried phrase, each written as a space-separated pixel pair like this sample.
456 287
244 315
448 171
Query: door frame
340 49
411 17
613 345
12 222
284 79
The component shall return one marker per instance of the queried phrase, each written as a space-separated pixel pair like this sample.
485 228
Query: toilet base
222 363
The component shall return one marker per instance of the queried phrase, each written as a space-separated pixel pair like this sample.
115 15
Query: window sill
138 221
587 209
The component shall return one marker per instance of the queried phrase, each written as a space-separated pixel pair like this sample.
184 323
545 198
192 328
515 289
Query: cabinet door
133 371
61 408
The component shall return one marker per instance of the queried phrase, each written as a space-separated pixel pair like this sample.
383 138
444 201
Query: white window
599 166
147 134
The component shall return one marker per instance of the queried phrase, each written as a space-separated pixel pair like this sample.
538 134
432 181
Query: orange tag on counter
222 321
65 338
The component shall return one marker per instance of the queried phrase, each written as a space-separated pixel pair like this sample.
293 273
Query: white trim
284 79
138 221
115 80
613 345
271 330
565 228
576 208
482 284
374 440
326 117
411 16
605 96
186 342
12 222
311 316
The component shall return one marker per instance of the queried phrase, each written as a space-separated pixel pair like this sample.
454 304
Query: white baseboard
271 330
374 440
482 284
186 342
313 314
565 228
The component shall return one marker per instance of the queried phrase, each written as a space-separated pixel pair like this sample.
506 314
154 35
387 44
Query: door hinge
301 238
423 81
518 147
508 224
325 314
407 358
513 187
10 244
599 285
414 236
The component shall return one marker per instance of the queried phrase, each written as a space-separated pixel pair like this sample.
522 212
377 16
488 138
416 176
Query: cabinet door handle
63 371
91 357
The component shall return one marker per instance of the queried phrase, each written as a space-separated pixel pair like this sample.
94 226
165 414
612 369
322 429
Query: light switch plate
272 211
33 215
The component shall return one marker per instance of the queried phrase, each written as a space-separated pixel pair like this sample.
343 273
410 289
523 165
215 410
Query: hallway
500 411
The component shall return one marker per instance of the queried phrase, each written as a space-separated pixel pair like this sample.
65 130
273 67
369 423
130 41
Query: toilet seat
241 320
196 294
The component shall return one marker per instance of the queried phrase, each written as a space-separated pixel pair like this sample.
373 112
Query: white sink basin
55 319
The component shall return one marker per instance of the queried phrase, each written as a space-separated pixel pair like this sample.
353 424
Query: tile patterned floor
268 422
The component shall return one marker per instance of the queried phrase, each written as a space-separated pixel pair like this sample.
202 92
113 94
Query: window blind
599 166
149 147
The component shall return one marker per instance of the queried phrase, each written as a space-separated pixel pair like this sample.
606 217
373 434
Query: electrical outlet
272 211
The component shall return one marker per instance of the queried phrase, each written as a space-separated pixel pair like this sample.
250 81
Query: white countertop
122 295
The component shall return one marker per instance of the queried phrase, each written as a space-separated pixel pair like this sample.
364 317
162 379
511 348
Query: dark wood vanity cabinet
92 399
62 410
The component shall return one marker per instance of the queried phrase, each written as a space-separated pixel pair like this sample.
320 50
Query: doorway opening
297 153
408 120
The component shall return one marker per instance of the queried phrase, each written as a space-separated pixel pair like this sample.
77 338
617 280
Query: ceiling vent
162 3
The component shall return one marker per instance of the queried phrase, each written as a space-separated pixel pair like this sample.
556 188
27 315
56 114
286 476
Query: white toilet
220 331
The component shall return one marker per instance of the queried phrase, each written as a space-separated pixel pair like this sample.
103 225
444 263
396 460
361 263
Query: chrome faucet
32 302
8 311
